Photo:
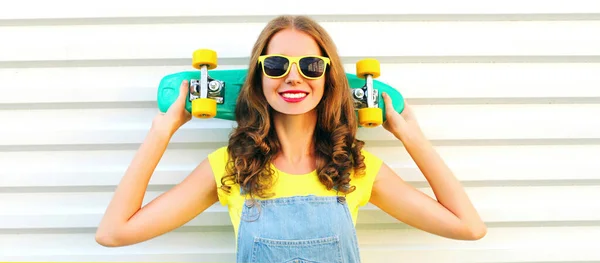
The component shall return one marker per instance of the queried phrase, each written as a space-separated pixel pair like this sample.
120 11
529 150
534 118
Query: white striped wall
508 91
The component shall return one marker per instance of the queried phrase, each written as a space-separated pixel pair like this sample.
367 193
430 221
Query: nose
293 77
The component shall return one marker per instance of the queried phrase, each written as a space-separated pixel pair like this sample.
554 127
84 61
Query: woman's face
293 94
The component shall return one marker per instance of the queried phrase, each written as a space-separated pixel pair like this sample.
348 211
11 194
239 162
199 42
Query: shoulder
364 183
370 157
218 160
219 155
372 163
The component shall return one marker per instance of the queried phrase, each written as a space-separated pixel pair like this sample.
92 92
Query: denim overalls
315 229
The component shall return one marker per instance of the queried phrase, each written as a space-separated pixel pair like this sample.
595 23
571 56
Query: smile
293 96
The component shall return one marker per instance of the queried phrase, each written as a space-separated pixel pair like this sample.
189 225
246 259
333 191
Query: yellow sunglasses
277 66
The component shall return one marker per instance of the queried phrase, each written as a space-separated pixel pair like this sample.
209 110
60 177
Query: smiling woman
294 174
506 91
289 59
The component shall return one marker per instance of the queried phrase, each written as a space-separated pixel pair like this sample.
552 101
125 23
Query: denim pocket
317 250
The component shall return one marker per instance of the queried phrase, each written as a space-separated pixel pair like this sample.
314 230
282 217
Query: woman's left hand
451 213
402 125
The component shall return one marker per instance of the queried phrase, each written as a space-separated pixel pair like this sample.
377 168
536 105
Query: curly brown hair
253 144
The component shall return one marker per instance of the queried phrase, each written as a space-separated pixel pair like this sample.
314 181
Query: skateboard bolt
359 93
214 86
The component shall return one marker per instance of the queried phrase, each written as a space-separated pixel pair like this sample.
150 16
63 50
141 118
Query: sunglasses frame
292 60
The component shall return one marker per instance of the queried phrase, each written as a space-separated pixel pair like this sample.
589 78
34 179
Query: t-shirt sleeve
365 183
218 159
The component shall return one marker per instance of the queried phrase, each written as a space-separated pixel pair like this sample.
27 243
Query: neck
295 133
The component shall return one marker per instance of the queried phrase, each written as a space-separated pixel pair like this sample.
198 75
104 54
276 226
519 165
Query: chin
294 111
279 105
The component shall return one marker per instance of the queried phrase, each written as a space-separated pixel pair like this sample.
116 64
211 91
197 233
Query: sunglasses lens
312 67
276 66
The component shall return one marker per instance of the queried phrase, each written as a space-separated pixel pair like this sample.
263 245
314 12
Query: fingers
183 90
387 102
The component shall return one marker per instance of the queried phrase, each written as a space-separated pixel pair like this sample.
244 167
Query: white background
508 91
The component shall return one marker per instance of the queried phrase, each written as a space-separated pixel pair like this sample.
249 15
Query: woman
294 174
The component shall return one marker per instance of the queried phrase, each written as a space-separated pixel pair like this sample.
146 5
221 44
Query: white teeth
294 95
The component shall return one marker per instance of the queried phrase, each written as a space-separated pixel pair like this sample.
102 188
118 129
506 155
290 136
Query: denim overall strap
297 229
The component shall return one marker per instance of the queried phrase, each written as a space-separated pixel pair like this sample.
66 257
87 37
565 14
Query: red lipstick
293 95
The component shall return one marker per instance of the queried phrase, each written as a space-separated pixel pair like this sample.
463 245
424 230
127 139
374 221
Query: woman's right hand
127 220
176 116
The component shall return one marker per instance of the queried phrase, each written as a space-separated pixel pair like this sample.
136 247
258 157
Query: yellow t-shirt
287 185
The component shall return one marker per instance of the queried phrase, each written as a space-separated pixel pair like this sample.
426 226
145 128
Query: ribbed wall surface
508 92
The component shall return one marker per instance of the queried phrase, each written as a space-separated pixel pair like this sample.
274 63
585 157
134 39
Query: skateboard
213 94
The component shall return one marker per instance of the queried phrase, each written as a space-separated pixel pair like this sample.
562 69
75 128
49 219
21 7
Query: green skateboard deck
224 87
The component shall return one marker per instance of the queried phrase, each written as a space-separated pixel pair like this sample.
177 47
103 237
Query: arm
452 215
126 222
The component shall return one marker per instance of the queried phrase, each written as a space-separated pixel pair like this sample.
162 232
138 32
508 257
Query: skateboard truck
366 98
206 92
360 97
215 90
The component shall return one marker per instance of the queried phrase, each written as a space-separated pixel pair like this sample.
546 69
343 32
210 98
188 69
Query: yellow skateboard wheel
370 117
368 66
204 57
204 108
